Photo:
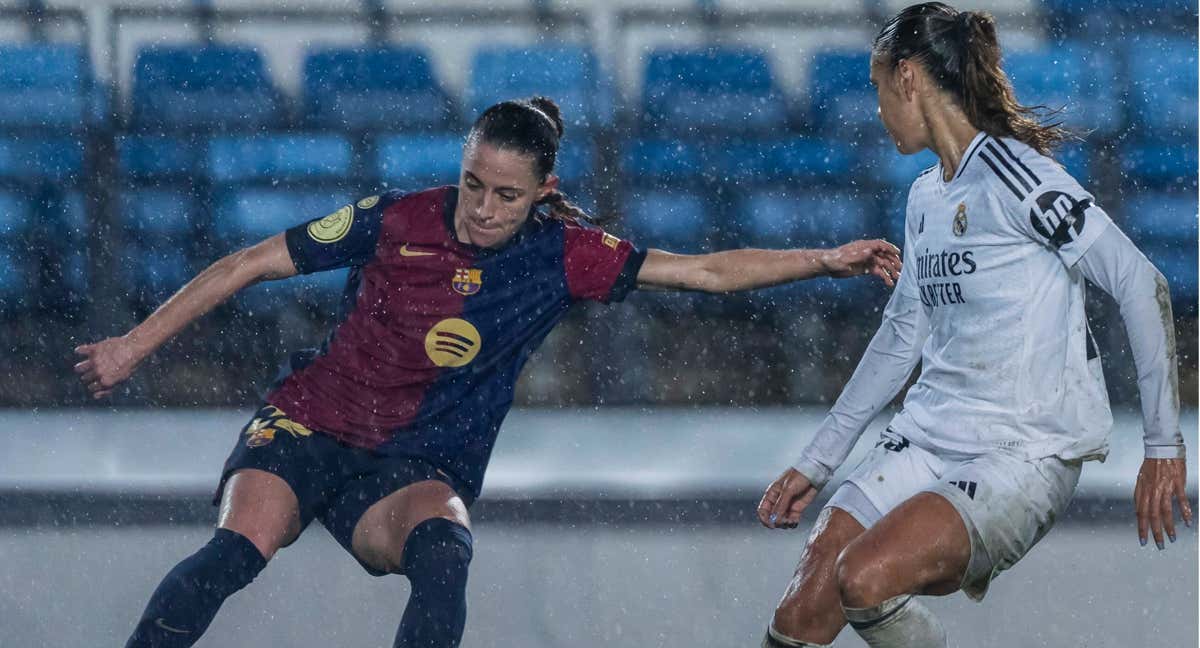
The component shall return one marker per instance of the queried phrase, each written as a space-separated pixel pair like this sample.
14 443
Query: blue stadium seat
1075 78
158 228
156 211
842 102
55 159
391 88
1076 158
884 164
576 161
17 214
203 87
14 281
568 74
246 216
417 161
156 156
765 161
663 161
279 157
1163 87
45 85
672 220
1163 217
711 88
1161 162
782 219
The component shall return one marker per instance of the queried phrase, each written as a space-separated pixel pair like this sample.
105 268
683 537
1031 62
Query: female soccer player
986 452
384 433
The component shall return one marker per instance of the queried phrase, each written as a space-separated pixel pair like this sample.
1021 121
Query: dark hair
530 127
960 51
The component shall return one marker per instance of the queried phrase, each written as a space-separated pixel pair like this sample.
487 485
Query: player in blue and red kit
385 432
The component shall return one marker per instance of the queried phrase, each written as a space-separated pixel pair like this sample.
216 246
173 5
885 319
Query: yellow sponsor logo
262 429
452 343
467 281
611 241
368 202
404 251
333 227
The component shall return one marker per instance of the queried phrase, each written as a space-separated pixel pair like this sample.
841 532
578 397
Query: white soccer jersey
992 261
993 287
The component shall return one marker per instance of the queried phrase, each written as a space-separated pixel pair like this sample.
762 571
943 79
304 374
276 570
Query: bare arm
736 270
109 362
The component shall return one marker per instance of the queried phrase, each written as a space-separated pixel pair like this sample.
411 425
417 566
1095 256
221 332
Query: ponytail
960 51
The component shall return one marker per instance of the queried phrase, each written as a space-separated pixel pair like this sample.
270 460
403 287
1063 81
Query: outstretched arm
1115 265
735 270
109 362
882 372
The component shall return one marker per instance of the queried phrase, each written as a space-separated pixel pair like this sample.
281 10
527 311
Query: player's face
497 189
899 109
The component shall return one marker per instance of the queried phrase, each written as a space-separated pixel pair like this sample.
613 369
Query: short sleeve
598 265
1046 204
347 237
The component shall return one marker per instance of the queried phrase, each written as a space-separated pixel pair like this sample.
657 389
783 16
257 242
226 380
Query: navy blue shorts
334 482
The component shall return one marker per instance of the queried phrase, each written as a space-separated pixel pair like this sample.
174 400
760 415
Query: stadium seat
156 156
1163 224
885 165
45 85
673 220
1074 78
158 225
279 157
842 102
568 74
199 86
1076 158
392 88
1163 86
17 213
54 159
1161 162
576 161
711 89
766 161
248 215
664 161
417 161
784 219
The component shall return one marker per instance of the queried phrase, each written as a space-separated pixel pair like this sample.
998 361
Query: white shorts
1007 502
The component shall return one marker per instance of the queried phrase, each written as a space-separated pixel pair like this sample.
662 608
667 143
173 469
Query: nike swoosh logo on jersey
404 251
159 622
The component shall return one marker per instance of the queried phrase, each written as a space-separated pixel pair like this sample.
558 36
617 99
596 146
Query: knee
861 581
438 549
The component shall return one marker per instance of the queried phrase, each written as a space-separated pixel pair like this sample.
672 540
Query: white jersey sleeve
881 373
1115 265
1043 201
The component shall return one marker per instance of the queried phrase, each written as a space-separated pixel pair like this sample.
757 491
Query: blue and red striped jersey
434 332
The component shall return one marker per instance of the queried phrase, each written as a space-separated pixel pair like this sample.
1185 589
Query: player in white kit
987 450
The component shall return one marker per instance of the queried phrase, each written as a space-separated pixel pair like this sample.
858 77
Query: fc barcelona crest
467 281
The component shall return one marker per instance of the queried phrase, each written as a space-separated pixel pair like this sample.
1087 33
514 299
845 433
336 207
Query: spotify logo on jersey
452 343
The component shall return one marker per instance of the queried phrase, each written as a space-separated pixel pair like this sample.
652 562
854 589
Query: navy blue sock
436 556
188 598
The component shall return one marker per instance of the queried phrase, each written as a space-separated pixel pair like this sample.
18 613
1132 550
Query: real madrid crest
467 281
960 220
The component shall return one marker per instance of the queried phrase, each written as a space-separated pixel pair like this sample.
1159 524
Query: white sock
900 622
776 640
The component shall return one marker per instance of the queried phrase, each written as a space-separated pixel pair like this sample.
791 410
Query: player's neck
950 133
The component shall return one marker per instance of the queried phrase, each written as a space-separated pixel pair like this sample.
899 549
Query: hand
106 364
785 500
1158 483
877 257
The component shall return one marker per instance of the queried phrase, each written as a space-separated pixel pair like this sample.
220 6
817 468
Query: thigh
261 507
810 608
275 480
374 511
380 533
1008 504
920 547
